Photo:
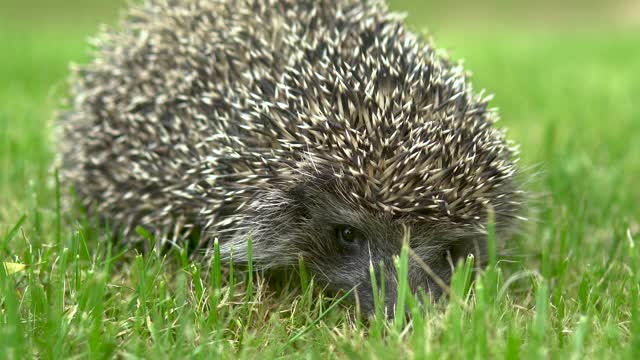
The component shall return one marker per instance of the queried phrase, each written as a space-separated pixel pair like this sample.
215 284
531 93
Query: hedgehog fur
321 129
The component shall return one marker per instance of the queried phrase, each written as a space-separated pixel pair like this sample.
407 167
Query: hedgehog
322 130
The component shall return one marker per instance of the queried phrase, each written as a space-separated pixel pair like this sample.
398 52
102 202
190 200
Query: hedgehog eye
346 234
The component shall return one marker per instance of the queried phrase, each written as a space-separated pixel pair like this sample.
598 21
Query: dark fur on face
308 219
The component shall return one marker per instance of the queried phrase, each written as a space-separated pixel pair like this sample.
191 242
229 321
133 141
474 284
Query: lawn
567 286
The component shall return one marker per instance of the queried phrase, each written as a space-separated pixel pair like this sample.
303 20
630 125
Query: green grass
570 287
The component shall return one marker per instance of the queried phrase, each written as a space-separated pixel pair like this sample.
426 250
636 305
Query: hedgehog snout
366 298
429 270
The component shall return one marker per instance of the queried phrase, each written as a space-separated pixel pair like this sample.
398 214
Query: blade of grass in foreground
306 284
249 306
491 274
249 293
10 327
402 267
378 300
11 234
315 322
215 276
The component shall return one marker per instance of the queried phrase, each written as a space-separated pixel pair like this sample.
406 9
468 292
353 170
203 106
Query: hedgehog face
344 242
340 240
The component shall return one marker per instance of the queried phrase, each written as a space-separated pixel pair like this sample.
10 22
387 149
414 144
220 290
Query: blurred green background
77 13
